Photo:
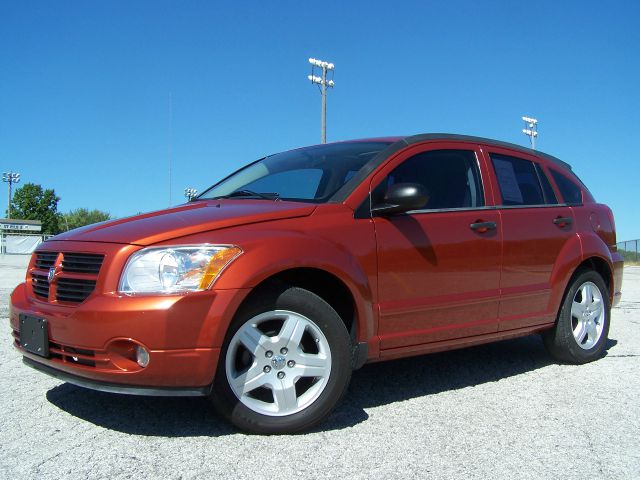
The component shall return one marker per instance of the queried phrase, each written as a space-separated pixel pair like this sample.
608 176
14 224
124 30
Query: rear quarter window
571 192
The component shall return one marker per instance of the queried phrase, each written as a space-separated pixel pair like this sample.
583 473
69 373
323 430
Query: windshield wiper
251 193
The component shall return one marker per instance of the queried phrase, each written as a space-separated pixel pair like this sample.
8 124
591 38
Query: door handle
482 227
563 221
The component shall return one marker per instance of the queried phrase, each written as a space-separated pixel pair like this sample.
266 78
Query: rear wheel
285 363
580 333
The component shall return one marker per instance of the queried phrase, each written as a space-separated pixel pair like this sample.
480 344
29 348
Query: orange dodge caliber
267 290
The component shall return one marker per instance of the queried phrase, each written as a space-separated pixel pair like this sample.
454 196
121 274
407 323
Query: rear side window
569 190
450 177
518 180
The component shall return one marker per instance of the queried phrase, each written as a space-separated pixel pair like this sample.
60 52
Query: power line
170 143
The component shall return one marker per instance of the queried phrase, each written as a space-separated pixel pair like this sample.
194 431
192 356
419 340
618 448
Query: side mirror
402 197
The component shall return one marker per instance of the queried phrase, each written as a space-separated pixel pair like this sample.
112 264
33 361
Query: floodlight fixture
531 130
323 83
10 178
190 193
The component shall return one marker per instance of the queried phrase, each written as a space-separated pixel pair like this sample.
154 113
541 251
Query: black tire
561 342
324 322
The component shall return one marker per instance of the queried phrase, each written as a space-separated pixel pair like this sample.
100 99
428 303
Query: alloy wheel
278 363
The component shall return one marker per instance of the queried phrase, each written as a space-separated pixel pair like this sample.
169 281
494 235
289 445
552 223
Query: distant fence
19 243
629 250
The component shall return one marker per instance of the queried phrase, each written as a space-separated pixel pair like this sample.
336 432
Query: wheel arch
602 267
326 285
580 252
597 256
355 311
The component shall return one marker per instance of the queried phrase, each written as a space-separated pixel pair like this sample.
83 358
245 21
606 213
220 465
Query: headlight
175 269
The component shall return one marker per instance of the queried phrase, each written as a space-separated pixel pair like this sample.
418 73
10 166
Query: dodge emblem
52 273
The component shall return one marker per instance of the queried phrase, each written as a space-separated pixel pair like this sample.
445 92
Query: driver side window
450 178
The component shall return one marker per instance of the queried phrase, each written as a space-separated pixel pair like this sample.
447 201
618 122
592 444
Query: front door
438 266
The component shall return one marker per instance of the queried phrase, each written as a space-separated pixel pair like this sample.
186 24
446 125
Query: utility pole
531 130
10 178
323 83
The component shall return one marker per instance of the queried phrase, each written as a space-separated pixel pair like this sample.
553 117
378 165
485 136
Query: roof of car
399 142
395 144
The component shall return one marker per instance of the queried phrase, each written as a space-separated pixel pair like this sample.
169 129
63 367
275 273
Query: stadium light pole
323 83
190 193
531 130
10 178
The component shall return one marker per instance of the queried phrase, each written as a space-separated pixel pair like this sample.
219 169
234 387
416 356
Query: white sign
20 226
508 181
22 243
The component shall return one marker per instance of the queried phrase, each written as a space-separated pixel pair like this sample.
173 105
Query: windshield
311 174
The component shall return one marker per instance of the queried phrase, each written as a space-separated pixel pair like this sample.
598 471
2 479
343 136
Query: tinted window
569 190
547 189
450 178
518 181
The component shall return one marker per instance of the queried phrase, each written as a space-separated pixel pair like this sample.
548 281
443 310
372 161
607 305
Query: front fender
270 253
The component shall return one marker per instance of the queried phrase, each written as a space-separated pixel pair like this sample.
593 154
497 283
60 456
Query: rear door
535 228
438 266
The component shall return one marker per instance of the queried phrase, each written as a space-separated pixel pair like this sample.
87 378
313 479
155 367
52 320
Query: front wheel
285 363
580 333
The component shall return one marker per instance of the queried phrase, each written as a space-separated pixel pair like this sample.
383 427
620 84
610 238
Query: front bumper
116 388
93 344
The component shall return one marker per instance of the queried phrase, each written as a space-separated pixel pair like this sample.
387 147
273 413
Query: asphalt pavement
501 411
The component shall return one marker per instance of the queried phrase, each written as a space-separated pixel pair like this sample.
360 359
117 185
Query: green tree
81 217
31 202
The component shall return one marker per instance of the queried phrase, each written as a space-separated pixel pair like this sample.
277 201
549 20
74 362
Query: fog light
142 356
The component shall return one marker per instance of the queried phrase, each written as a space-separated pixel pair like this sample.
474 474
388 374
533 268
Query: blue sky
97 97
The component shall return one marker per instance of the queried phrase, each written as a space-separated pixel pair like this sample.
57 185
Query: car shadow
374 385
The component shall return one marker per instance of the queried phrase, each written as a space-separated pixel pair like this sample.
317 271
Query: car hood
188 219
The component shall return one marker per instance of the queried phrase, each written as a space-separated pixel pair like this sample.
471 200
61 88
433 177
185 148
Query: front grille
75 278
81 262
40 285
45 260
74 289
